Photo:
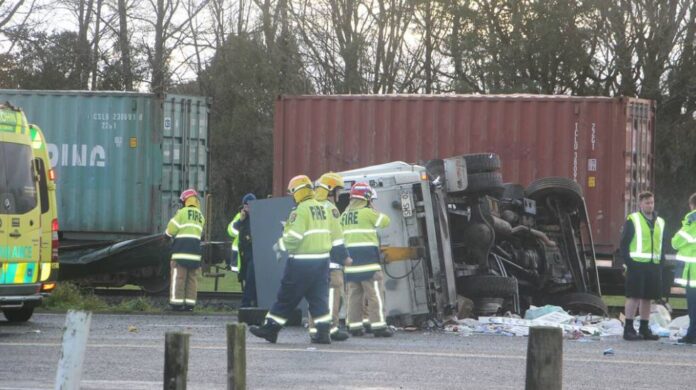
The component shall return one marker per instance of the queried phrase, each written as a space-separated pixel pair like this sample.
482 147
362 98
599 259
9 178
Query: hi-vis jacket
234 234
360 234
186 228
308 234
338 252
646 245
685 244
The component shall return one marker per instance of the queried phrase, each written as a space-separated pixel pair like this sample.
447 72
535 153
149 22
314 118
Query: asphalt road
127 352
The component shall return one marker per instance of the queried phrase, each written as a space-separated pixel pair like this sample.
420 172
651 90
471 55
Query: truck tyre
155 285
484 182
487 286
482 162
567 190
579 302
18 315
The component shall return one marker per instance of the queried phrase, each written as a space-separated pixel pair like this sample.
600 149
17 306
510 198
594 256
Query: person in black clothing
643 254
243 225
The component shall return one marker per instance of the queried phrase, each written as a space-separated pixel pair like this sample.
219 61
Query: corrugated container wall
121 159
605 144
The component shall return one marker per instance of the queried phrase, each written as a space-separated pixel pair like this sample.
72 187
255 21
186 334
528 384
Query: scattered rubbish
677 327
609 352
132 329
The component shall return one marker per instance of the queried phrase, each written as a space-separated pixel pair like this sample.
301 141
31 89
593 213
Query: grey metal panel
266 229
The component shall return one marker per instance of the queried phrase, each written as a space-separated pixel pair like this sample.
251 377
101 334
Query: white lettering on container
79 159
575 152
97 155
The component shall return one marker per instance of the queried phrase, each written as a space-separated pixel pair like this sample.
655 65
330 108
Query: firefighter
325 193
644 257
242 253
364 276
186 228
308 239
684 242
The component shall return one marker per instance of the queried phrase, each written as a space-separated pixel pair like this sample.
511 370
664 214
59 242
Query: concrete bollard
545 359
72 353
176 349
236 356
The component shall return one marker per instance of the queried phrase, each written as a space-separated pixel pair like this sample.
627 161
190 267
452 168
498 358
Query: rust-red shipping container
605 144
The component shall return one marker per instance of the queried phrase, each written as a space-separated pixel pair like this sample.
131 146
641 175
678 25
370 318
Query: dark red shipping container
605 144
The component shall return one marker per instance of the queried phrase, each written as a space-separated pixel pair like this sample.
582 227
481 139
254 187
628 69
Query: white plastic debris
535 312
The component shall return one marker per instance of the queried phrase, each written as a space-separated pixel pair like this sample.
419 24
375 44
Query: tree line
243 53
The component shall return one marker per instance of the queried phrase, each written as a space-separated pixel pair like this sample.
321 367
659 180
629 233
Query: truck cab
23 254
459 233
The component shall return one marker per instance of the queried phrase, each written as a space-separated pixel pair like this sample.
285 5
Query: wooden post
236 356
545 359
176 348
72 353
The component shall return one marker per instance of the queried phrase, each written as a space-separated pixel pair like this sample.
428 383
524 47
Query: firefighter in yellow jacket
308 239
364 276
186 228
325 193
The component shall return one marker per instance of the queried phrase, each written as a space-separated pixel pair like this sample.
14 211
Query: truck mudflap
130 261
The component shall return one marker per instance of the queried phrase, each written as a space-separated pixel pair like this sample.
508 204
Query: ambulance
28 217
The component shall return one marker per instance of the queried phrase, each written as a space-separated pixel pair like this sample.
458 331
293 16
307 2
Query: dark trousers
691 304
308 279
249 296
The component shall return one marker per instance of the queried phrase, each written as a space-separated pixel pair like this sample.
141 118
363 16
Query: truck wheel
579 302
488 306
155 285
482 162
18 315
487 286
484 182
567 190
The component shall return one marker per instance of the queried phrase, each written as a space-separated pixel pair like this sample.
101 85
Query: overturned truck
460 234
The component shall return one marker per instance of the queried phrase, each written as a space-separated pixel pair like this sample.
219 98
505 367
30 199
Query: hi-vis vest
308 234
187 228
646 245
234 234
685 244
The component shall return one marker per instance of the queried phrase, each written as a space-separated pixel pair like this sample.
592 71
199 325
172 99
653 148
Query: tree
44 62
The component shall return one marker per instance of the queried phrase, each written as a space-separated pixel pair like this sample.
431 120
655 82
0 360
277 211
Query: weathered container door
184 150
639 152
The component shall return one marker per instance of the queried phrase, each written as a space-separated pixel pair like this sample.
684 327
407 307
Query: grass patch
67 296
617 300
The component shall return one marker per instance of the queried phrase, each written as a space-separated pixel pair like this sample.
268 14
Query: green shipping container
121 158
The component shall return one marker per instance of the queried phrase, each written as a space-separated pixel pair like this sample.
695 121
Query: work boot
356 332
644 331
268 331
339 335
367 326
687 340
384 332
630 333
322 336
